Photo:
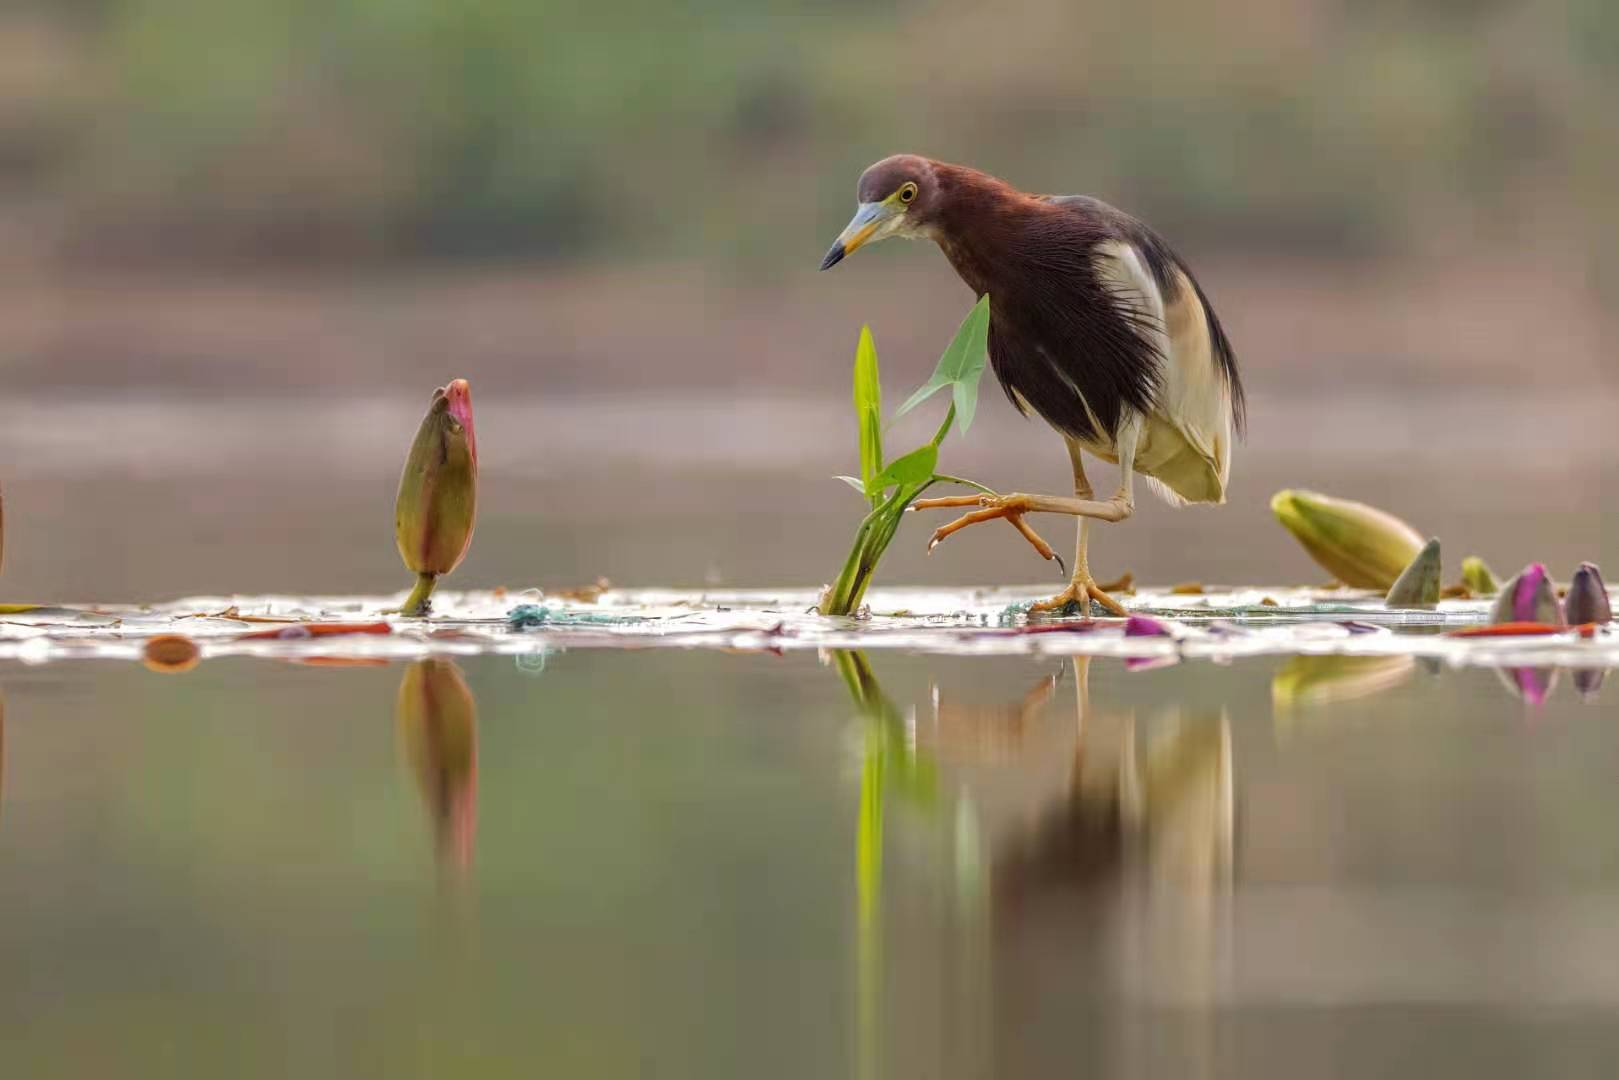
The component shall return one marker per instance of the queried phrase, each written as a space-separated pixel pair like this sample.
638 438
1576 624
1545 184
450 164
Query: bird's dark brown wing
1066 341
1167 269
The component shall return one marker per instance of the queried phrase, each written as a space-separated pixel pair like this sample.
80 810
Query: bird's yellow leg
1015 519
1082 587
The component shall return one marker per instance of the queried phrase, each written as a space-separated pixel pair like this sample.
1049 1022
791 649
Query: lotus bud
1361 546
437 719
1587 600
1418 585
438 493
1528 598
1478 578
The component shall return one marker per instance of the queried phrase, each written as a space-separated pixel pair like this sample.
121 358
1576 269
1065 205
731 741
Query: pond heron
1096 325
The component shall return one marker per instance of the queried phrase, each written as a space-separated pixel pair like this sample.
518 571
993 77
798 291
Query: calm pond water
701 864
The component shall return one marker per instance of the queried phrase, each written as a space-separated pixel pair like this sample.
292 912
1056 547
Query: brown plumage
1096 325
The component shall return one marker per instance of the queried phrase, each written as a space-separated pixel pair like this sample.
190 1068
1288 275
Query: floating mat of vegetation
1166 626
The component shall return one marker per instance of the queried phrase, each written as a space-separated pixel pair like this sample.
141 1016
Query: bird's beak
867 220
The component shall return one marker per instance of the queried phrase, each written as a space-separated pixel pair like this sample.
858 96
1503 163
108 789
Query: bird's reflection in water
1135 855
437 720
1121 875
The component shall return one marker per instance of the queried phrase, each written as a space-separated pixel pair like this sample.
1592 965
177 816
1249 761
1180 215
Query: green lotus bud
1588 597
438 493
1528 598
1361 546
437 720
1478 578
1418 584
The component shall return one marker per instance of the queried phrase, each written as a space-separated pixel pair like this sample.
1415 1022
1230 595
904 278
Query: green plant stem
944 428
943 478
416 604
870 540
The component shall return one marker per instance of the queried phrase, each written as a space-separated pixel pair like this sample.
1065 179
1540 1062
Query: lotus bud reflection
1319 680
1361 546
1588 597
1418 585
1588 681
1478 578
438 493
437 720
1528 598
1533 685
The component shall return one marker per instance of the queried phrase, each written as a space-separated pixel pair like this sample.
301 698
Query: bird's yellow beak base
866 221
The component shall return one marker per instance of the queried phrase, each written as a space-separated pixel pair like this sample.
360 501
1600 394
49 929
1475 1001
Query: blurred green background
182 129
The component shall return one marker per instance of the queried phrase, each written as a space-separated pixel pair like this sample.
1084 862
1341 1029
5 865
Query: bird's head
898 197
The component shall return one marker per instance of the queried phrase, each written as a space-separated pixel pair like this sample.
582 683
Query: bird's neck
978 226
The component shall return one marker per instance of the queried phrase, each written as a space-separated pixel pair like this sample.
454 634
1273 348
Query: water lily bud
438 492
1478 578
1361 546
1418 584
437 719
1587 600
1528 598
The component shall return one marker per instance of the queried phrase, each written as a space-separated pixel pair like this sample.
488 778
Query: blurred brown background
241 241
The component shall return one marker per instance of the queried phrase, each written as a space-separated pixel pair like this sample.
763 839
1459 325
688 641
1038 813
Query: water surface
699 863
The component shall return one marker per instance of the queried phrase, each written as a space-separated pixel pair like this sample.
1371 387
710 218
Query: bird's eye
907 192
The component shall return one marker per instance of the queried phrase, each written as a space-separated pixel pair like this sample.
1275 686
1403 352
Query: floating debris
1360 545
1125 583
1147 626
585 594
1187 588
1418 585
531 616
1011 613
1588 597
171 654
300 631
437 505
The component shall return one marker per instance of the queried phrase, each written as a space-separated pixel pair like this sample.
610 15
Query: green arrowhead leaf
961 367
868 407
914 468
854 482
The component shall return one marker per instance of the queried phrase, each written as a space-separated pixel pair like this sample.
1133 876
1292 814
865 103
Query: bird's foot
1011 508
1078 597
